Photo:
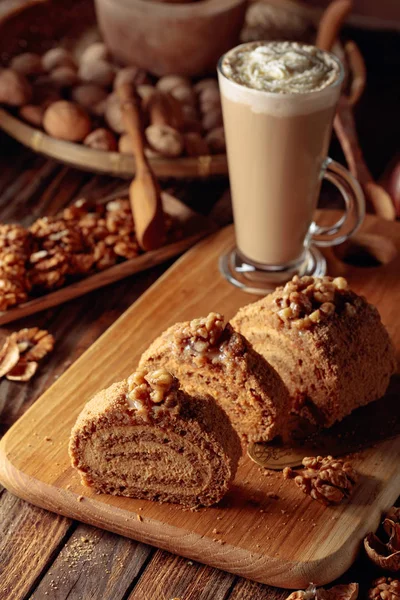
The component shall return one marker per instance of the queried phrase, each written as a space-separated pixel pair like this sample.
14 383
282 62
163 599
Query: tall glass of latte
278 103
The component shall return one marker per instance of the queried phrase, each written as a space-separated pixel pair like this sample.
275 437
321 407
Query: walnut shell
101 139
64 77
132 75
165 140
169 82
99 72
27 63
113 113
66 121
57 57
89 96
32 114
96 51
184 94
216 140
15 89
195 145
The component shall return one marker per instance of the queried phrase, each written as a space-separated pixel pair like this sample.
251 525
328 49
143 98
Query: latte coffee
278 102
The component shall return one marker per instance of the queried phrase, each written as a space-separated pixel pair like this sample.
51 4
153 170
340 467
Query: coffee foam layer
281 67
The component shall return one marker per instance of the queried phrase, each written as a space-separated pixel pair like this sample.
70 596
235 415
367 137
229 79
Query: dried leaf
23 371
10 354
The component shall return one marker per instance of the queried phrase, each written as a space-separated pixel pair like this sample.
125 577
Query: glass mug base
255 280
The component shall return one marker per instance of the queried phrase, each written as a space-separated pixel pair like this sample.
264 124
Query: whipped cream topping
281 67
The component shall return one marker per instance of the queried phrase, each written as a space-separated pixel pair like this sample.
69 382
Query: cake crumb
215 530
272 495
80 498
139 517
47 439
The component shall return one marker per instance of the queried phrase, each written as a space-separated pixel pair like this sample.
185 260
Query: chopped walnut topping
151 393
15 243
208 339
385 588
22 352
307 301
327 480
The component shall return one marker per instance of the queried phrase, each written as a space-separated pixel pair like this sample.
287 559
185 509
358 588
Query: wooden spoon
144 191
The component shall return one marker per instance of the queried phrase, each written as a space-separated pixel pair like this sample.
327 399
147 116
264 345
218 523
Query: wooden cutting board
288 540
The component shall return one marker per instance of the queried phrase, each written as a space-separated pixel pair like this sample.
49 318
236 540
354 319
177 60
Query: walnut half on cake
209 357
327 343
146 438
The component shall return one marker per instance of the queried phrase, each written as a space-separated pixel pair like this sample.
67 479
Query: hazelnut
66 121
132 75
204 84
57 57
101 139
195 145
32 114
165 140
99 72
184 94
169 82
89 96
96 51
15 89
64 77
216 140
27 63
113 113
125 144
212 119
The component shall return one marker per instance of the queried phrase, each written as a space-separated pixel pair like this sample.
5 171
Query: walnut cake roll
326 342
146 438
209 357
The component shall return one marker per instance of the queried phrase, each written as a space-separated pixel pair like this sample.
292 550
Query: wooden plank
285 542
114 564
170 577
249 590
29 536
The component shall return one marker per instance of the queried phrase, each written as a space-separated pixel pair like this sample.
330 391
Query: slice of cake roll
146 438
326 342
209 357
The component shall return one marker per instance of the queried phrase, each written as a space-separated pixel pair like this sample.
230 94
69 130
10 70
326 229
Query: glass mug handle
353 197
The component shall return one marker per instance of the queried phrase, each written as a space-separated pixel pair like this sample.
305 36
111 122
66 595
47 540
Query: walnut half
327 480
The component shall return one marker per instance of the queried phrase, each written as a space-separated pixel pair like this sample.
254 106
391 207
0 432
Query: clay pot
166 38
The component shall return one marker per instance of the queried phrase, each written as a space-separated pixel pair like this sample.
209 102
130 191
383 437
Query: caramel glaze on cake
209 357
146 438
326 342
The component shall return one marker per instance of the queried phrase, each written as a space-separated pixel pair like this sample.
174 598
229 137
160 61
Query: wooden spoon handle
331 23
132 117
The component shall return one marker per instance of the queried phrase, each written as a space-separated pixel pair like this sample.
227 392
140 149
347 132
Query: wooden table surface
45 556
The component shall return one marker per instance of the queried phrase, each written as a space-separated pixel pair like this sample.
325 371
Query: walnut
57 57
27 63
33 343
125 144
385 588
212 119
152 393
216 140
15 90
168 83
184 94
113 113
307 301
327 480
94 52
209 99
64 77
101 139
89 96
133 75
204 84
164 109
99 72
338 592
66 121
165 140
